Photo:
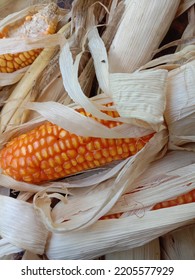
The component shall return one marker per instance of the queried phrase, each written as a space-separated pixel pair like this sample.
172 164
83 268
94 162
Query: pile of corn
83 166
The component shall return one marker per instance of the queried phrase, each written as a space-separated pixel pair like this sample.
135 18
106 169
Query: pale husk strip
114 235
17 227
180 107
23 88
178 58
12 78
184 5
6 248
76 123
15 45
141 28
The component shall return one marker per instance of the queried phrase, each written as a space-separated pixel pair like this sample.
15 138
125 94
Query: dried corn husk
14 45
140 23
128 232
116 179
184 5
180 118
83 199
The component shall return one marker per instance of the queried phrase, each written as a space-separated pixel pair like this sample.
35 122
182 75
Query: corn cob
182 199
179 200
49 152
42 23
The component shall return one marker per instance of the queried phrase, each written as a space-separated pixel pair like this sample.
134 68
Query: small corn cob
43 22
179 200
49 152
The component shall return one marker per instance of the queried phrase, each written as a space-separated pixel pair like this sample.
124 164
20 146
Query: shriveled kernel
50 139
71 153
42 141
22 57
97 144
44 164
58 169
73 162
89 157
74 143
23 150
51 151
43 132
125 148
35 160
119 150
97 163
18 60
51 162
111 142
29 162
22 171
112 151
56 148
55 130
36 145
17 153
62 134
27 178
48 171
68 144
10 64
109 159
81 150
31 52
26 54
14 163
30 148
3 70
61 144
67 165
64 156
2 62
30 170
91 164
132 148
80 159
8 57
58 160
44 153
38 155
21 161
90 146
97 155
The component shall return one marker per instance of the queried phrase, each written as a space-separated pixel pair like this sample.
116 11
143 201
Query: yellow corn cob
49 152
43 22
